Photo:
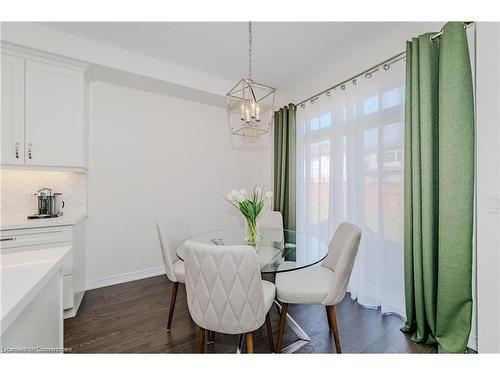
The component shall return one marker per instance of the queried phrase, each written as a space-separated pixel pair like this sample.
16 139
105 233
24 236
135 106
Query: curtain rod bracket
440 34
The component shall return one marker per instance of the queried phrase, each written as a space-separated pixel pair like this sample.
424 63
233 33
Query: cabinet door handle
7 238
17 150
29 150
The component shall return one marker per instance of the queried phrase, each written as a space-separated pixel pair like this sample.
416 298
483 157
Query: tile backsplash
18 186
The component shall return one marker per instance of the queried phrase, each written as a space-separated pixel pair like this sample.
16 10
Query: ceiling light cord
250 51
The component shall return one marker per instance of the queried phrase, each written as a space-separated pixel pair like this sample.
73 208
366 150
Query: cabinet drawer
68 295
35 236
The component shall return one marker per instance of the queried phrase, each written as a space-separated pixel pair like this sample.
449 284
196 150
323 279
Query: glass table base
303 337
241 340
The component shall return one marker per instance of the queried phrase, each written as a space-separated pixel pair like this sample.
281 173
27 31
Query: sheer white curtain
350 168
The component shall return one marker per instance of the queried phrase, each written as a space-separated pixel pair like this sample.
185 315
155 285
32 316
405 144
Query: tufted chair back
224 288
170 233
342 252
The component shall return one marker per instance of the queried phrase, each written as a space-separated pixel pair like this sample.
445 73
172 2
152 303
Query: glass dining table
277 251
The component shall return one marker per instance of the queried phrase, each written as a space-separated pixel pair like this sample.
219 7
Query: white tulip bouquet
250 206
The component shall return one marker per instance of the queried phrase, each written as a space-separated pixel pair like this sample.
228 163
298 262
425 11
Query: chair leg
328 318
281 331
249 338
332 318
270 332
201 339
172 305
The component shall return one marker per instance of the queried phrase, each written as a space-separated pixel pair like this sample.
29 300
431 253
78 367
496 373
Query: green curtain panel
439 189
284 164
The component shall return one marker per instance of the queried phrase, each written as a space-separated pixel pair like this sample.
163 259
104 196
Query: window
351 160
325 120
392 97
322 122
314 124
370 105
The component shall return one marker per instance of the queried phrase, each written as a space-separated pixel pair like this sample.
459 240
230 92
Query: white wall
488 185
155 156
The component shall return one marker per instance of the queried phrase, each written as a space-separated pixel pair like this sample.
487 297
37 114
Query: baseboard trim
124 278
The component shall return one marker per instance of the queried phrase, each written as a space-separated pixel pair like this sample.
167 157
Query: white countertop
23 276
22 222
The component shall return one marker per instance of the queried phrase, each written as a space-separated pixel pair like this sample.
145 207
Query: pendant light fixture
250 105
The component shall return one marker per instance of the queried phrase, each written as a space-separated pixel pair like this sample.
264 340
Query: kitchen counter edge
42 223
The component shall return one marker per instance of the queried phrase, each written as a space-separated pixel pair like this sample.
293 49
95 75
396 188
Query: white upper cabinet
12 79
44 111
54 116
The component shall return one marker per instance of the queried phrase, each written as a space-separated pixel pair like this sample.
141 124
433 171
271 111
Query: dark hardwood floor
132 318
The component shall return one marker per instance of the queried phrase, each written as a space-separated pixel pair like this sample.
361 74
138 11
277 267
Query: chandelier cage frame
250 105
245 94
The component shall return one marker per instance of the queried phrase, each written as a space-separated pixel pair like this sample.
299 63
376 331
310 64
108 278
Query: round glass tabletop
277 250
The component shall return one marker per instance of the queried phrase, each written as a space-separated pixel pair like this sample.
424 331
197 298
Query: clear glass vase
252 234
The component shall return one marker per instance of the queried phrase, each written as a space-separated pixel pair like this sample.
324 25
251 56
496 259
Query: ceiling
221 48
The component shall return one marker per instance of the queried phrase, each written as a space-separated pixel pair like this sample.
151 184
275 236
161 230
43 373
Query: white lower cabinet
68 295
74 264
40 323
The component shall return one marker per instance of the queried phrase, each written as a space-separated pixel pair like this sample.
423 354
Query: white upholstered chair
325 285
225 291
272 223
270 220
170 234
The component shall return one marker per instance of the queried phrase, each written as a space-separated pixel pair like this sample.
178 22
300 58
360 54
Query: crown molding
42 56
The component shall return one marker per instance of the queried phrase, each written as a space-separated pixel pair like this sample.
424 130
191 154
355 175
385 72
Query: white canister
58 204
